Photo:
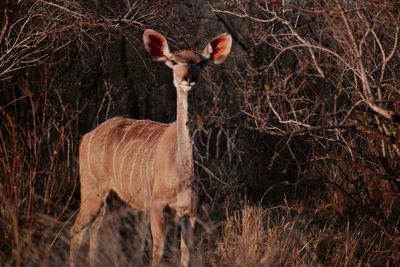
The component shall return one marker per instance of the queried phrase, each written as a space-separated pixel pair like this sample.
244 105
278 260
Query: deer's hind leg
94 241
92 208
76 243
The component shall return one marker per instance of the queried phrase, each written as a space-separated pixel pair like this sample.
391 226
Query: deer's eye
173 62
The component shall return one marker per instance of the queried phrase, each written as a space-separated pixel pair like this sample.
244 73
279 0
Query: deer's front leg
157 225
187 239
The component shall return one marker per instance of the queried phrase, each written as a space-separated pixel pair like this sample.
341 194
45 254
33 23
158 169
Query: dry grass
250 236
255 236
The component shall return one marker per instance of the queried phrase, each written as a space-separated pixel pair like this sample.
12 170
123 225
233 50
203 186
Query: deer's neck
184 155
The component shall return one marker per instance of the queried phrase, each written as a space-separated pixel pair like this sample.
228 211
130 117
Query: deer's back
119 155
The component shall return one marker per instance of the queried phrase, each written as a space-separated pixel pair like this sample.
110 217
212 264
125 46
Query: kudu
148 164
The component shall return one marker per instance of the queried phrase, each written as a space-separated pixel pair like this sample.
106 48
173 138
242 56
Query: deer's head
186 65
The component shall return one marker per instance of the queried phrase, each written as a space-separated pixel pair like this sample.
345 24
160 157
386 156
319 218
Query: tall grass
249 236
280 236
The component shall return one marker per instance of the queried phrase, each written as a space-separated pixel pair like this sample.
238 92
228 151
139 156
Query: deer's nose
188 79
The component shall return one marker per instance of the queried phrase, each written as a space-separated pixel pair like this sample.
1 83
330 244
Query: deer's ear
156 45
218 48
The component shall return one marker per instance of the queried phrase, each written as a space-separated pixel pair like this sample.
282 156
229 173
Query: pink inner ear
219 46
156 44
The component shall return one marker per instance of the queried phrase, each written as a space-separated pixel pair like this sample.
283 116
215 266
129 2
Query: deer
149 165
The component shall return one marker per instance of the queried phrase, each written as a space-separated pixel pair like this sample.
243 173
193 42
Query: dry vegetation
297 136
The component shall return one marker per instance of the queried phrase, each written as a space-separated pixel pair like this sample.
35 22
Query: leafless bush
327 72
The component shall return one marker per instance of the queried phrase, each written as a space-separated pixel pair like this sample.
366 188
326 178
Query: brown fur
148 164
